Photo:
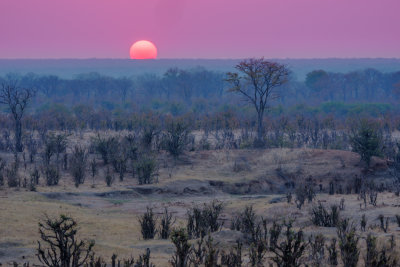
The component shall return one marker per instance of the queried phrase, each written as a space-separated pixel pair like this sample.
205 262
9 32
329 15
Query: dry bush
291 249
183 249
234 257
203 220
176 138
348 242
59 245
51 174
13 179
332 253
78 164
105 146
148 223
109 177
317 252
166 224
146 169
383 224
321 217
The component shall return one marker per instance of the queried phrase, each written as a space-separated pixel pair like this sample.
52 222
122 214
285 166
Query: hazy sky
200 28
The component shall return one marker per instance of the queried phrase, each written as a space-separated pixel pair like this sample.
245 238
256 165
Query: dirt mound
177 188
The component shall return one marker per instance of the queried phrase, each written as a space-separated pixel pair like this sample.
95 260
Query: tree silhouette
257 81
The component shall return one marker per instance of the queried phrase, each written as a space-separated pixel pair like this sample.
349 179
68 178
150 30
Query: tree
61 246
17 99
366 141
258 82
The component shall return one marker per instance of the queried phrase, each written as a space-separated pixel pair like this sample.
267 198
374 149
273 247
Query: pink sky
200 28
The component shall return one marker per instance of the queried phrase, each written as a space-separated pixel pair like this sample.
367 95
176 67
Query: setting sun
143 50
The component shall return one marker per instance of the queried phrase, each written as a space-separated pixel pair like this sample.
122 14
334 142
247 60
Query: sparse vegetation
178 155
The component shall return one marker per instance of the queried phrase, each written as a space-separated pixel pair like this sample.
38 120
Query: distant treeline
203 92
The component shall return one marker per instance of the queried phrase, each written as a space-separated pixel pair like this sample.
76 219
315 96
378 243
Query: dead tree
17 99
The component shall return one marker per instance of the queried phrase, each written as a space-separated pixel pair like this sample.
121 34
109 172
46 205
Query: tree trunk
18 135
260 129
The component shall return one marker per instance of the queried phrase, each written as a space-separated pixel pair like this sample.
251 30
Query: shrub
35 175
383 224
2 166
148 135
321 217
176 138
275 231
398 220
257 252
54 144
203 220
105 147
348 241
290 251
366 141
247 222
301 195
373 196
52 175
143 261
109 177
78 164
13 179
317 253
166 223
332 253
234 258
59 245
371 258
146 169
183 249
363 222
93 168
210 253
148 224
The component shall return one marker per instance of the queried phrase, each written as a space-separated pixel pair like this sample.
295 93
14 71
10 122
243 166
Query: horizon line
244 58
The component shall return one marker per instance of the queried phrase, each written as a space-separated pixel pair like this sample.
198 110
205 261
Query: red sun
143 50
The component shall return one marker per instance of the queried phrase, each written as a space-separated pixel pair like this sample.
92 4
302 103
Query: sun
143 50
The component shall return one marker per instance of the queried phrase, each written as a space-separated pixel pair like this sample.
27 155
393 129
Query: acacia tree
257 81
17 99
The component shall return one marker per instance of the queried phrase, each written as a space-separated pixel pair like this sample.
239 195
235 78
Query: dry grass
112 222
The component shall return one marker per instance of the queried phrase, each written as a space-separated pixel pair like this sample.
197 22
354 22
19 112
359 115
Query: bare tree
17 99
258 80
59 245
